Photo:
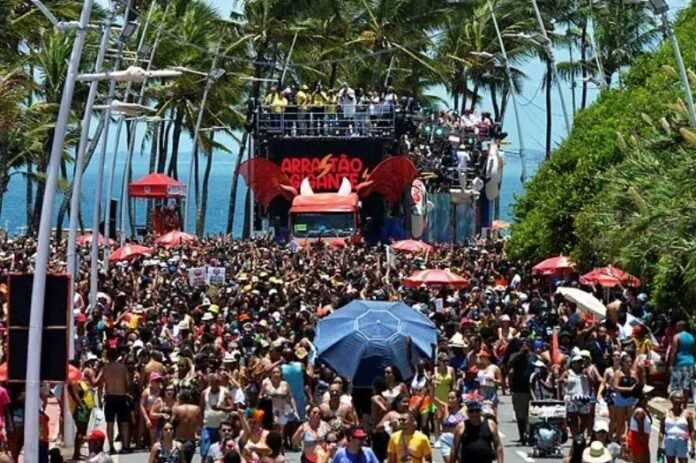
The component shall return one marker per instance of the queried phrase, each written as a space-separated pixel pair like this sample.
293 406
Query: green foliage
622 187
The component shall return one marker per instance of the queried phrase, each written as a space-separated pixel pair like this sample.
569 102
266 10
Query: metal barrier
291 121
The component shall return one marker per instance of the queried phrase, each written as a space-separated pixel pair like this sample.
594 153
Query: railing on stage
293 121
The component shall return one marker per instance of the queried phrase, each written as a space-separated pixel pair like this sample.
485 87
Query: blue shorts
676 448
490 393
621 401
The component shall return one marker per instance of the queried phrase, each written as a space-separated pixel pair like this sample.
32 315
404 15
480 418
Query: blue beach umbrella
362 338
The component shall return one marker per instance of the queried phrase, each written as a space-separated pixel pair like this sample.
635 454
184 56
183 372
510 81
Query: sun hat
207 317
576 358
154 376
601 426
596 453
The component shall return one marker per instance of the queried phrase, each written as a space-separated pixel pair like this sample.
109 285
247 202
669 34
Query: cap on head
95 435
357 432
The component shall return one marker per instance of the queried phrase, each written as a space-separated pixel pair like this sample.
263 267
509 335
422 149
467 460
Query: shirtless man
188 421
335 410
116 382
152 364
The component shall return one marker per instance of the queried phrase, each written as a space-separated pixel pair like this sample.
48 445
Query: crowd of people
232 371
299 110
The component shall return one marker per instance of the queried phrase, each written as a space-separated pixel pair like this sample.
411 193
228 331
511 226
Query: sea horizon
13 216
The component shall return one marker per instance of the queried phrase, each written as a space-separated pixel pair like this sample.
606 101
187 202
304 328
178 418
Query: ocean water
13 217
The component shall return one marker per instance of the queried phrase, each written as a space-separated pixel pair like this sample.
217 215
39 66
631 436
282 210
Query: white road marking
524 456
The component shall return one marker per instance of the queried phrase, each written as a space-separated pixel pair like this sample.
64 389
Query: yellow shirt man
412 448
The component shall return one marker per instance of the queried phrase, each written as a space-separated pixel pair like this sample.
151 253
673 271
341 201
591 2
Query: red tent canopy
156 186
609 276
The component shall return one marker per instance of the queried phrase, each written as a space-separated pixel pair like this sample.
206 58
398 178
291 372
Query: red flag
555 353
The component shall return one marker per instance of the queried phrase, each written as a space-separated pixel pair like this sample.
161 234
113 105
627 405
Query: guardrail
293 121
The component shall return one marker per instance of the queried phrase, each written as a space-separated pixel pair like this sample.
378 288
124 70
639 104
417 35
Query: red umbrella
435 278
175 238
411 246
553 266
87 239
129 251
609 276
74 374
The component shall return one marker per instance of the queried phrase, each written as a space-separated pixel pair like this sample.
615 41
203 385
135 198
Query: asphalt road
507 428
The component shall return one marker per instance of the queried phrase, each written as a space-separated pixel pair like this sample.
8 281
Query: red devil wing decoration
389 178
266 180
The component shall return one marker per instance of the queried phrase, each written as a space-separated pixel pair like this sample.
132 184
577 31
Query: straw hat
596 453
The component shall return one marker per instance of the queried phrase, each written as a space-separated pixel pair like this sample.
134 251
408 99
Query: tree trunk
255 93
196 176
494 100
231 208
33 226
549 116
583 60
4 172
164 146
332 76
154 145
173 170
474 97
203 210
29 191
505 98
66 200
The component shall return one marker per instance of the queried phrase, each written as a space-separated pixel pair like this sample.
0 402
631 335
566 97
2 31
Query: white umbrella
584 300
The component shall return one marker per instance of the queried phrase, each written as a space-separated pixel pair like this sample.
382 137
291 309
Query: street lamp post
513 93
96 213
549 52
43 246
112 172
212 75
80 158
131 145
660 7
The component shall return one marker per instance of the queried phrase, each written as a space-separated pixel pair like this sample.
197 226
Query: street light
660 8
213 74
43 244
127 109
554 70
128 31
513 95
132 74
131 139
139 55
